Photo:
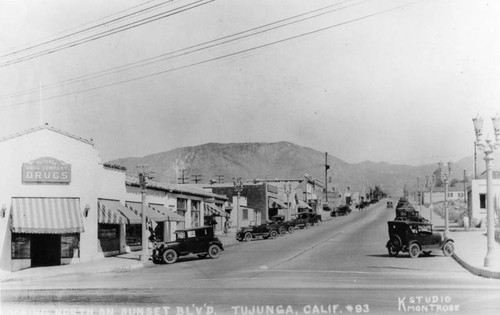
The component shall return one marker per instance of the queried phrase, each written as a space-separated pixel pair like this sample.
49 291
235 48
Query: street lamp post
446 177
238 187
488 147
430 185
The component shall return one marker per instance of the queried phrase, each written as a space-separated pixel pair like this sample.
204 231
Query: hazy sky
380 80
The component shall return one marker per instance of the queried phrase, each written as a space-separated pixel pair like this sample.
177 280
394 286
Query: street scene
249 157
338 266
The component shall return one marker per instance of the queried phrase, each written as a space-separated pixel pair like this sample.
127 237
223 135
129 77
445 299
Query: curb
476 270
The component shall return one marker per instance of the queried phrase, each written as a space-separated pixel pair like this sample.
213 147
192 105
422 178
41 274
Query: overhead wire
66 33
122 28
199 47
225 56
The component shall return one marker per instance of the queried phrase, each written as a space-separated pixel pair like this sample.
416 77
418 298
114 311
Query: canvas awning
114 212
213 209
302 205
276 203
172 216
151 214
46 215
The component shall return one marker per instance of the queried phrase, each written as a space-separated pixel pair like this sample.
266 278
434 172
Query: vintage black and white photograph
249 157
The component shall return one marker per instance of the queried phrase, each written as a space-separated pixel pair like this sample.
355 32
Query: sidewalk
120 263
470 246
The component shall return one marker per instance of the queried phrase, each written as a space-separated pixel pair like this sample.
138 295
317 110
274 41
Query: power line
243 51
187 50
109 32
61 35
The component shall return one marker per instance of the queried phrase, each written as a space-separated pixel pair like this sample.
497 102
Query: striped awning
46 215
302 205
172 216
210 208
113 212
151 214
276 203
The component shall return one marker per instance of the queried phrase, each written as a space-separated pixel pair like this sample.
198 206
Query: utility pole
144 176
196 178
182 179
326 177
238 187
220 178
418 195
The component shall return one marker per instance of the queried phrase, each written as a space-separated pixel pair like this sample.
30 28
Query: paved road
340 266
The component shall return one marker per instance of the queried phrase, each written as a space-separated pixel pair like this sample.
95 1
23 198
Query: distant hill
281 160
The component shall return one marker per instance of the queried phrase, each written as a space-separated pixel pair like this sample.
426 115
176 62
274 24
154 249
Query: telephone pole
196 178
144 176
326 177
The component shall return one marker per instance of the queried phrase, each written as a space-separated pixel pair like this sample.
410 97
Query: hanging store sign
46 170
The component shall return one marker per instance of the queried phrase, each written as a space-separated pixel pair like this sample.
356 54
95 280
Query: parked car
415 238
200 241
340 210
306 219
390 205
250 232
282 225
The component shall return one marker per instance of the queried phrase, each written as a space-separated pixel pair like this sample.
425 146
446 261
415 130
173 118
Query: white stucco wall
478 188
86 176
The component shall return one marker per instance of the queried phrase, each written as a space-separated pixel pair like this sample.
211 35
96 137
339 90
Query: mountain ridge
283 159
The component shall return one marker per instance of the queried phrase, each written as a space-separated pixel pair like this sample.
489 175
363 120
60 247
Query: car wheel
214 251
308 224
392 251
248 236
282 230
169 256
290 229
414 250
273 234
448 249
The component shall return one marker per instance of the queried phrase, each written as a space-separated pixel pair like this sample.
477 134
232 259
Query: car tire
282 230
248 236
273 234
169 256
448 249
308 225
290 229
214 251
414 250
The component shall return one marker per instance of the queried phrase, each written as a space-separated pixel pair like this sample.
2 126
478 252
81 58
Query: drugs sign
46 170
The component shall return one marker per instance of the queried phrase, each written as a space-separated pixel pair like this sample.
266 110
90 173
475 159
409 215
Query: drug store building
61 205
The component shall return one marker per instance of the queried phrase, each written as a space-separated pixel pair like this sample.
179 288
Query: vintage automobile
306 219
282 226
415 238
340 210
248 233
200 241
389 205
408 213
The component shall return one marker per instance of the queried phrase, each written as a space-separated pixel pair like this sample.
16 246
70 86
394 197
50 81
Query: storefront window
21 246
182 204
134 234
70 244
109 237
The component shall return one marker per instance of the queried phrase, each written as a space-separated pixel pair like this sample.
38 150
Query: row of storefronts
60 204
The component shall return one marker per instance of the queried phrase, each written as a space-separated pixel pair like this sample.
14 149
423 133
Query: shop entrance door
45 250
